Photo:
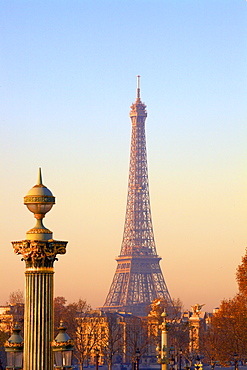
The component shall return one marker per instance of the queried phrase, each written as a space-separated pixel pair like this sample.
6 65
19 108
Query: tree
74 312
69 314
210 343
75 319
60 312
241 276
3 337
229 328
137 337
16 297
112 338
88 335
226 336
178 328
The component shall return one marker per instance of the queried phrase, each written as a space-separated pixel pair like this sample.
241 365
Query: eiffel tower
138 279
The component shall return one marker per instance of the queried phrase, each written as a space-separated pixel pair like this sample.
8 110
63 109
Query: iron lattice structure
138 279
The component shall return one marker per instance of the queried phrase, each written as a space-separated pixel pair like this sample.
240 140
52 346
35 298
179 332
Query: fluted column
39 303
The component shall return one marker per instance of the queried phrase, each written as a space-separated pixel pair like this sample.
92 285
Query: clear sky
68 77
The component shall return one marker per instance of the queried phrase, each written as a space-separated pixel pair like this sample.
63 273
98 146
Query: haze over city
68 78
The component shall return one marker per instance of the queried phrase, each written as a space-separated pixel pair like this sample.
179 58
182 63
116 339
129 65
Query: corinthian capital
39 253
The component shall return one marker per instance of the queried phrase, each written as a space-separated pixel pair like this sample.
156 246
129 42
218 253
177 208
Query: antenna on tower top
138 86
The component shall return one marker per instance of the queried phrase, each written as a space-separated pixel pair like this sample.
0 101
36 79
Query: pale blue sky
68 76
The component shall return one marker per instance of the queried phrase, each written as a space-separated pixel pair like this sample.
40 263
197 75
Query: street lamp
164 331
138 355
96 358
14 349
187 366
158 353
180 359
63 349
172 358
198 363
235 361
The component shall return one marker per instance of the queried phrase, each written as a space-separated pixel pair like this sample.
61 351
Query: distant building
10 314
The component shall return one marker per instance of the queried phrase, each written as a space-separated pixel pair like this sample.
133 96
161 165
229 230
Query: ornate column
195 324
163 327
39 252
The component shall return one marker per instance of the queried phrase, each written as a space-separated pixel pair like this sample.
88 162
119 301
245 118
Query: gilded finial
39 182
39 200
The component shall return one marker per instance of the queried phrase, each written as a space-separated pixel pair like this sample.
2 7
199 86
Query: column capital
39 253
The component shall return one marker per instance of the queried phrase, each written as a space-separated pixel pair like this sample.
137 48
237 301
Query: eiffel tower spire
138 279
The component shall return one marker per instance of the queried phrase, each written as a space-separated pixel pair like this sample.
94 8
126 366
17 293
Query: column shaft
38 329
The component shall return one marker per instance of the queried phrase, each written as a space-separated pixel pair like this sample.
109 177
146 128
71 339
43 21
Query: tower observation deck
138 279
